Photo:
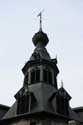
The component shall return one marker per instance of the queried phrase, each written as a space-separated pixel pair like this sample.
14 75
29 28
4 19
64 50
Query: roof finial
40 15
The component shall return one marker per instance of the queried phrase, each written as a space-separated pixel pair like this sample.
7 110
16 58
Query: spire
40 15
40 39
61 83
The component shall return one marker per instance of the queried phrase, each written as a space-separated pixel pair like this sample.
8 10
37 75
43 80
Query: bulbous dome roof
40 39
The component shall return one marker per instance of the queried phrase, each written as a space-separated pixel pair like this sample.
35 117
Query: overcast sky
62 21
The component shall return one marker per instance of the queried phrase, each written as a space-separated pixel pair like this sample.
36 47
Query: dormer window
25 101
62 104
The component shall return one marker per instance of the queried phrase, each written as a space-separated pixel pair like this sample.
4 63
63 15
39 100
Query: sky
63 23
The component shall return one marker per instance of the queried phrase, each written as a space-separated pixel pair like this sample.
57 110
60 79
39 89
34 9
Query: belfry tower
40 101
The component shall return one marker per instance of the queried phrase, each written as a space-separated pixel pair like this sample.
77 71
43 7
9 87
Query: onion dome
40 39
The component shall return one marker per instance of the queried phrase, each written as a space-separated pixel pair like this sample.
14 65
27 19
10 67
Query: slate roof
3 110
45 91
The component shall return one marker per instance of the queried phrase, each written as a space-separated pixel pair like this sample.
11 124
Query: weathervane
40 15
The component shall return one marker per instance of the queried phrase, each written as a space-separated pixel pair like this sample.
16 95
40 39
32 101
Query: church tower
40 101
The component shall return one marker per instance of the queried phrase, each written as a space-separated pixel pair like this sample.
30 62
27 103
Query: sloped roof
3 110
45 92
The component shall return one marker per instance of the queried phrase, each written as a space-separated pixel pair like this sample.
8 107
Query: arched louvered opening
47 76
34 76
55 81
50 77
39 74
37 79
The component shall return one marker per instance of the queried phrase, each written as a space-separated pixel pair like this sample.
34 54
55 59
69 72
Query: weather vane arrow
40 15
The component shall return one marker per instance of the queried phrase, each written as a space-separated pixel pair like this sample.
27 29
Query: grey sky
62 21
